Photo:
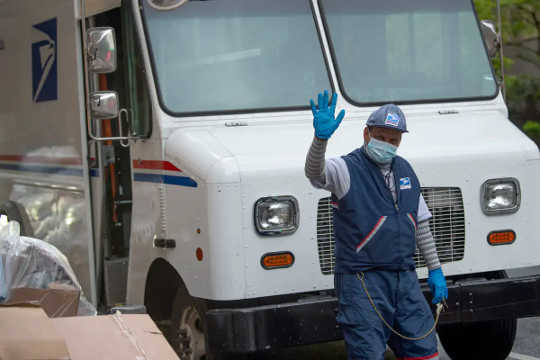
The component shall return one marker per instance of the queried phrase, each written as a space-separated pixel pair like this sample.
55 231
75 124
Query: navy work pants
399 299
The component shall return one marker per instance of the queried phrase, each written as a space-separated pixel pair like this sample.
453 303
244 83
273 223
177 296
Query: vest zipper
396 206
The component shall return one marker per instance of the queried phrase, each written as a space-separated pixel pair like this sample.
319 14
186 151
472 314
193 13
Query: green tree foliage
521 31
532 128
520 25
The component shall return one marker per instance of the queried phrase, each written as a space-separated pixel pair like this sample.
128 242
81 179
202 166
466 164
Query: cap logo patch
392 119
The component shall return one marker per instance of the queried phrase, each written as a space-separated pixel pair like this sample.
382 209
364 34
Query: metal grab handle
120 131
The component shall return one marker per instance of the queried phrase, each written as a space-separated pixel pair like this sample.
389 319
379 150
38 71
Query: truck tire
187 332
479 340
15 211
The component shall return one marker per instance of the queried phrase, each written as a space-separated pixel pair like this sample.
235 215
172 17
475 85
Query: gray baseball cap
388 116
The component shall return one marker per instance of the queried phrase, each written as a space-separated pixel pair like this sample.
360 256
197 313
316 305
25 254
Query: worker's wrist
316 138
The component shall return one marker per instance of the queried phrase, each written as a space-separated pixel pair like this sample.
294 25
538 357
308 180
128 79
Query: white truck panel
269 154
43 152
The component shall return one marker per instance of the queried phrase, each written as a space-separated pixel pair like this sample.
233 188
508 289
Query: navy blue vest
371 231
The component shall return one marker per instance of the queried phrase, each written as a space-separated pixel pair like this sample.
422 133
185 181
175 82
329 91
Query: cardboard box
58 300
113 337
27 333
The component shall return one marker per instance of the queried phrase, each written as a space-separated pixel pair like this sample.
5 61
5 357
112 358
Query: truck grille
447 226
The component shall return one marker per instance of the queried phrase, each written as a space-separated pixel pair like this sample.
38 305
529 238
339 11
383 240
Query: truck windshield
231 55
408 51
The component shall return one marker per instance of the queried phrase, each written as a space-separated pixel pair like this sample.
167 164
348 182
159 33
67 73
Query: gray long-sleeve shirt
333 175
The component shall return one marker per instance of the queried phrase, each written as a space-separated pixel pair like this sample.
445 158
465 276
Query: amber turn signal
199 254
277 260
501 237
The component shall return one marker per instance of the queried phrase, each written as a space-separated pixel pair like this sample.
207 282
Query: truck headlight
501 196
276 215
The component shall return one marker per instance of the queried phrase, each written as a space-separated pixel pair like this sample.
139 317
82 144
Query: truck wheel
187 333
479 340
15 211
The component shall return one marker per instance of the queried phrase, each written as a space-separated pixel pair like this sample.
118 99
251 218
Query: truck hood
242 153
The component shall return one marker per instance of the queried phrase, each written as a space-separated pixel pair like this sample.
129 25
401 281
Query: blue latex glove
437 284
323 116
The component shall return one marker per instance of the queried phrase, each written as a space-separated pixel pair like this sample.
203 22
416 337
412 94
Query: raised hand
324 121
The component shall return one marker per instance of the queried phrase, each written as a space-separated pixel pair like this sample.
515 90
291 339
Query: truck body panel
236 161
44 155
182 198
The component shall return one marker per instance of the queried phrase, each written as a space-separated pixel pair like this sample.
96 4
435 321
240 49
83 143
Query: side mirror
101 50
104 105
491 38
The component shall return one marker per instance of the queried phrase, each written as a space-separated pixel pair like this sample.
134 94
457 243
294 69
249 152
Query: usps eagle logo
404 183
392 119
44 63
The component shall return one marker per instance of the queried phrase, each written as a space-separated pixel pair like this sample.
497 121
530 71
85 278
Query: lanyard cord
439 310
388 180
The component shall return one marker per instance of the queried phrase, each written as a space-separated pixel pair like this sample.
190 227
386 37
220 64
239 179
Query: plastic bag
33 263
3 288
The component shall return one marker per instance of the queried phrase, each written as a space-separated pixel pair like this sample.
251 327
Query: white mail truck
160 145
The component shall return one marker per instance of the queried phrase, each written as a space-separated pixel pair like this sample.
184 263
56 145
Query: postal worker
380 217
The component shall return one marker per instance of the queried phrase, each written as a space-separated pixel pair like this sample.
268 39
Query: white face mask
380 151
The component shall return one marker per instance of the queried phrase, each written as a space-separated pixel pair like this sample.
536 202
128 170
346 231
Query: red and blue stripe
153 171
67 166
372 233
143 171
409 215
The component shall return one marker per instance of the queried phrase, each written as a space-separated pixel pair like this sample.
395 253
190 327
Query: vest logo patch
404 183
392 119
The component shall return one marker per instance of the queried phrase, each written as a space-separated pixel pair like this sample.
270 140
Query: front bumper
313 320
